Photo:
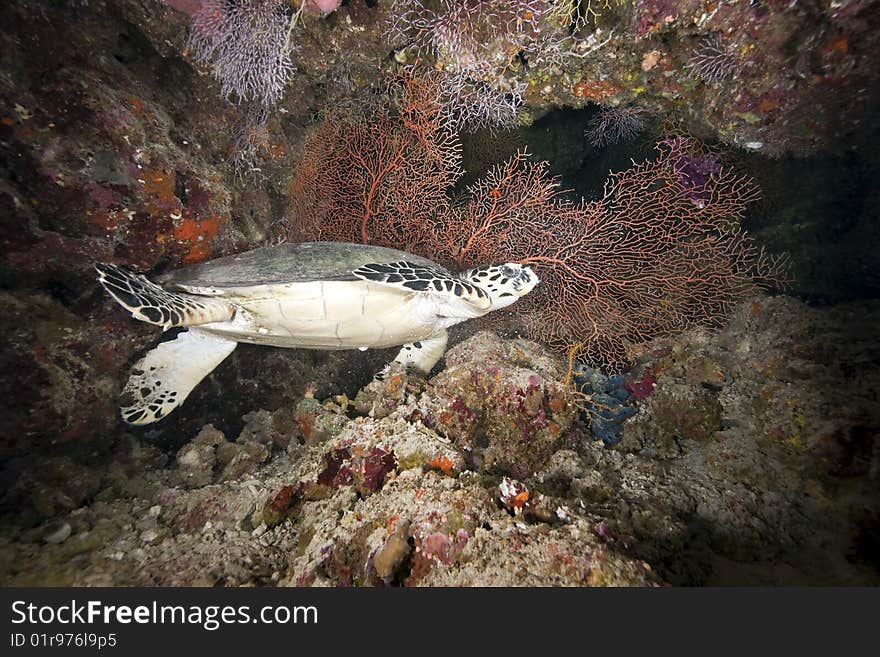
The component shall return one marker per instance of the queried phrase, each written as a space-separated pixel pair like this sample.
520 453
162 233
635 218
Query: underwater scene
439 293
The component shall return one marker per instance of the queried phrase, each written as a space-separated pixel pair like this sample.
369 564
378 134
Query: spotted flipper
150 303
161 380
421 278
422 355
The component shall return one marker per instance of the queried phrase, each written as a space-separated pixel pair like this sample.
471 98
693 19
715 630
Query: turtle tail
152 304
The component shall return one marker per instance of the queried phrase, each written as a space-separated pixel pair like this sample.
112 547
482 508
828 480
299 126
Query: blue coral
605 406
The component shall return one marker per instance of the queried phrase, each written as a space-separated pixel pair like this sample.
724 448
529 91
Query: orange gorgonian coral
661 251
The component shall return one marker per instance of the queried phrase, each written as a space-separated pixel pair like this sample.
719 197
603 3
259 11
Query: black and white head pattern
505 283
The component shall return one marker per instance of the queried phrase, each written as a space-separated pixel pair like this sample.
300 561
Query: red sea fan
643 262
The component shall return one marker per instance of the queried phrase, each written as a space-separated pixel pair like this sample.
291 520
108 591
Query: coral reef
414 509
775 77
102 162
736 469
473 45
132 131
116 148
672 222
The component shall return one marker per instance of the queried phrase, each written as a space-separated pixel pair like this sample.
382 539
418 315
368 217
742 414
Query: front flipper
421 278
150 303
162 379
423 354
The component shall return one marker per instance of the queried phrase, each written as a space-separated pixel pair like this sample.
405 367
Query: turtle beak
526 281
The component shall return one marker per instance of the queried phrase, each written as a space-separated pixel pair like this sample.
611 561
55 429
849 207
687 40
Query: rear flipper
150 303
421 355
162 379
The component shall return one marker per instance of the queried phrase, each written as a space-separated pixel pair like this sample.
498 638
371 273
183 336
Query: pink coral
327 6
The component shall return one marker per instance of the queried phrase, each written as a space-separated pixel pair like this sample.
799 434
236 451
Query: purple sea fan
693 168
246 44
712 61
614 124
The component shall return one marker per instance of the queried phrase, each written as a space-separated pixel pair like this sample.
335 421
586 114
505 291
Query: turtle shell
287 263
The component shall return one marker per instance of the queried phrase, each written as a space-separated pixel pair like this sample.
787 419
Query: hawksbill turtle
313 295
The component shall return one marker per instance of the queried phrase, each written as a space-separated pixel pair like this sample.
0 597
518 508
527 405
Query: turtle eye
508 271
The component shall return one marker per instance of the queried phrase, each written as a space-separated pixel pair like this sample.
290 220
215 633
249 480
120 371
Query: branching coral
474 45
712 62
614 124
660 251
246 43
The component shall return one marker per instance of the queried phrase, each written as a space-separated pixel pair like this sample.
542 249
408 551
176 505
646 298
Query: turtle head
504 283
